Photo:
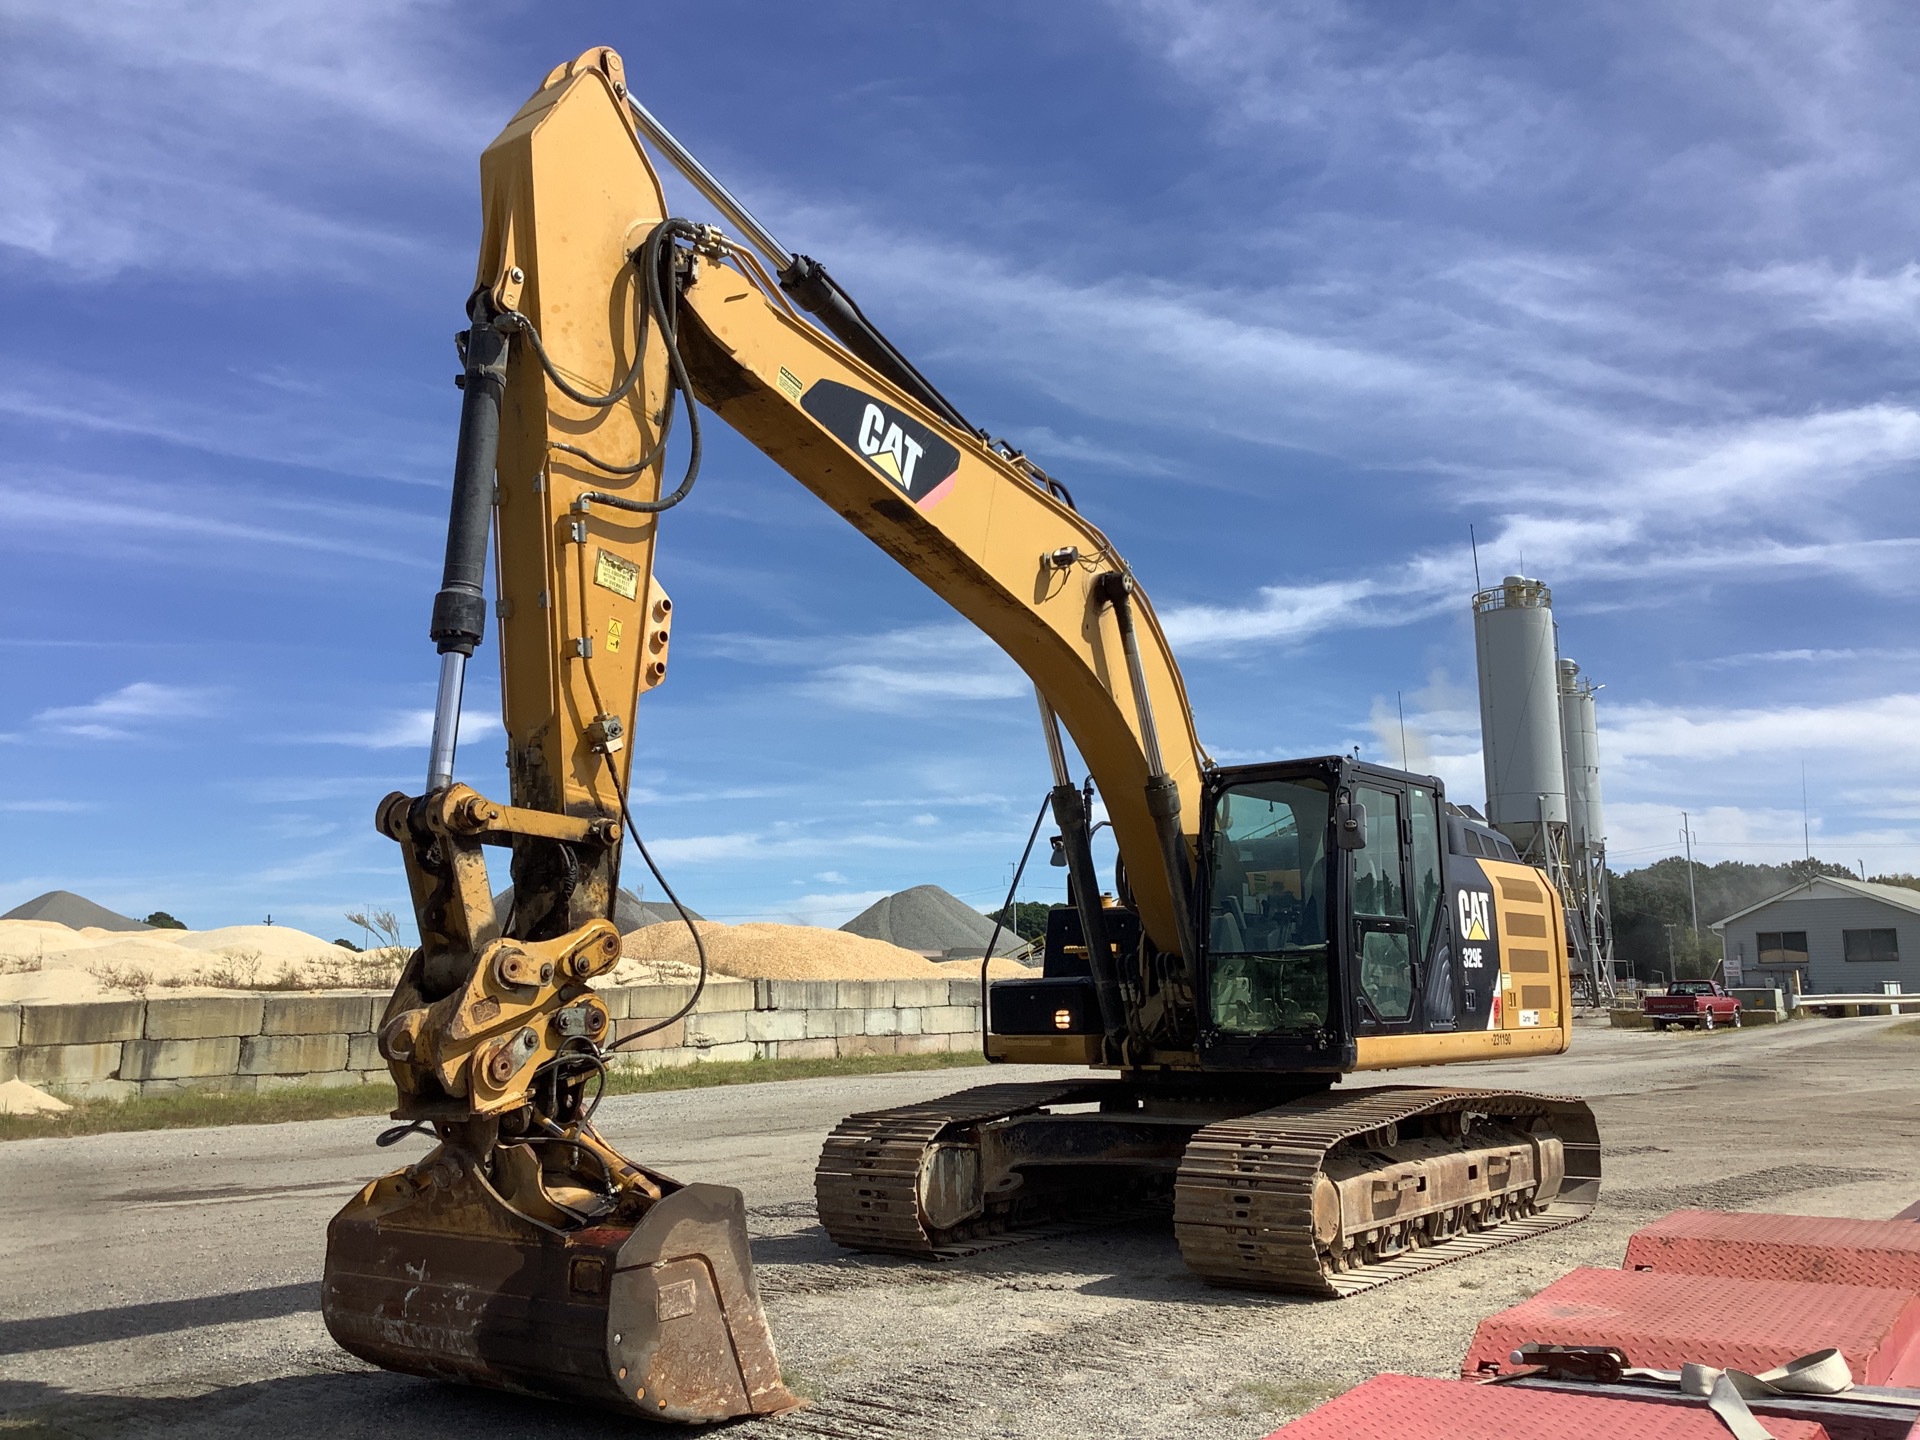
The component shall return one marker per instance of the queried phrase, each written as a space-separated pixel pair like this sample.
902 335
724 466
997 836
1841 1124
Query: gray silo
1579 732
1520 714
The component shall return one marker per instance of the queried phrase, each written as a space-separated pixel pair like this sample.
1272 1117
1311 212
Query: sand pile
758 951
17 1097
44 962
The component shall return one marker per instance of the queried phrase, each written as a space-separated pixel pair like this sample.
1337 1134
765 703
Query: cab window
1267 908
1380 908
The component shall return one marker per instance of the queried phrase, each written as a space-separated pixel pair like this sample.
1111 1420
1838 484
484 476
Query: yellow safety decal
613 637
612 572
789 384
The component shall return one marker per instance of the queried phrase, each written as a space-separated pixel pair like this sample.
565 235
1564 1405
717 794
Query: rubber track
866 1184
1243 1201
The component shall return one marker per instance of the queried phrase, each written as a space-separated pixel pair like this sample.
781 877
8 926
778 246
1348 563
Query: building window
1784 947
1871 945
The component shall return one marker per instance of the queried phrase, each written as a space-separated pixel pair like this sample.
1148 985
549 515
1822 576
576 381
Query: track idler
431 1272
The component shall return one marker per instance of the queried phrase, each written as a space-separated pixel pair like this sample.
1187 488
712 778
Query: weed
131 978
19 964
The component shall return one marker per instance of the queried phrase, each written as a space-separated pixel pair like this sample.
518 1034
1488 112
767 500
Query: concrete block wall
118 1049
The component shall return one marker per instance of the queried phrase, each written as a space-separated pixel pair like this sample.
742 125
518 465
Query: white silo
1520 713
1579 732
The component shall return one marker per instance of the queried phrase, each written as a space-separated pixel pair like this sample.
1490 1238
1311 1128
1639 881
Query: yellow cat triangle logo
1473 914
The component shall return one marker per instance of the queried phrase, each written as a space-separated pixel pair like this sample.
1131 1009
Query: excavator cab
1326 919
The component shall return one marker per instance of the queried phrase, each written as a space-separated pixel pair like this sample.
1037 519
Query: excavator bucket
430 1272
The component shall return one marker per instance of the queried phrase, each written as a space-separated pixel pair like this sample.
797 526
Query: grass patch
192 1109
1905 1027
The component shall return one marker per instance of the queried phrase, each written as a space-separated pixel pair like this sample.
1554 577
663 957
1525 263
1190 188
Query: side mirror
1350 825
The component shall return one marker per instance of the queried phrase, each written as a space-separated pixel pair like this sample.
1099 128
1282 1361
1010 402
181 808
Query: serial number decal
616 573
892 442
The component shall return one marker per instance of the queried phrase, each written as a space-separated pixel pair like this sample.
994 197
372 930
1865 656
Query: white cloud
890 671
132 708
170 171
48 807
408 729
1884 726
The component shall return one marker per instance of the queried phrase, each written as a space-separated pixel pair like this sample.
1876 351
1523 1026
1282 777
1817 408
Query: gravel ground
165 1284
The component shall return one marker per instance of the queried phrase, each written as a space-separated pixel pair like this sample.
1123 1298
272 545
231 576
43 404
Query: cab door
1383 937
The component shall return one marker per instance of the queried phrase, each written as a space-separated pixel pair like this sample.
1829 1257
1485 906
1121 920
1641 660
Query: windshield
1267 917
1691 987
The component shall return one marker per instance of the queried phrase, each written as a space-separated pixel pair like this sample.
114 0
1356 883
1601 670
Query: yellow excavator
1270 929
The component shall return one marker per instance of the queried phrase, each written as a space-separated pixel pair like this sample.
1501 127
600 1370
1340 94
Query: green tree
1648 900
161 920
1029 918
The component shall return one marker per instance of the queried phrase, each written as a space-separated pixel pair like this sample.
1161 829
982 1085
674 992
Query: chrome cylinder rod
1056 751
446 720
702 179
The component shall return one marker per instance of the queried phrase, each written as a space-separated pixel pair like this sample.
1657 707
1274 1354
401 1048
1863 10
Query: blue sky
1291 295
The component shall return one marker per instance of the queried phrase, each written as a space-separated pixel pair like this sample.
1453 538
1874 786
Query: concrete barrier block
1625 1019
9 1063
950 1019
727 995
179 1059
907 1020
869 1044
114 1090
928 1044
671 1038
915 993
776 1025
95 1022
736 1051
200 1017
828 1022
727 1027
363 1053
9 1026
820 1048
805 994
866 994
316 1080
614 997
881 1022
967 992
66 1065
346 1014
656 1002
203 1084
292 1054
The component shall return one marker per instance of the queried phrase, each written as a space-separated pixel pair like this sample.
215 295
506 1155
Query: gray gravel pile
63 907
630 912
931 921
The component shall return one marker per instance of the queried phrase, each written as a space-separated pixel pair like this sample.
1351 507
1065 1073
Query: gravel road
166 1284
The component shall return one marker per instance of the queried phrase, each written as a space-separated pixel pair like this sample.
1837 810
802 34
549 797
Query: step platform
1816 1249
1663 1321
1407 1407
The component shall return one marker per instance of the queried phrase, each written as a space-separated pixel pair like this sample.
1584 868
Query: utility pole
1401 710
1693 899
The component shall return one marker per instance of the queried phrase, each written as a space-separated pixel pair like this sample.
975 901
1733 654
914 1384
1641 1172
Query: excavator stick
525 1252
440 1277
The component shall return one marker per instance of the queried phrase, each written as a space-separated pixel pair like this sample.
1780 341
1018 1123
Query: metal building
1540 748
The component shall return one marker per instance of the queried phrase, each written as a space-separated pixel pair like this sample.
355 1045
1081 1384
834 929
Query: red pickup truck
1698 1004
